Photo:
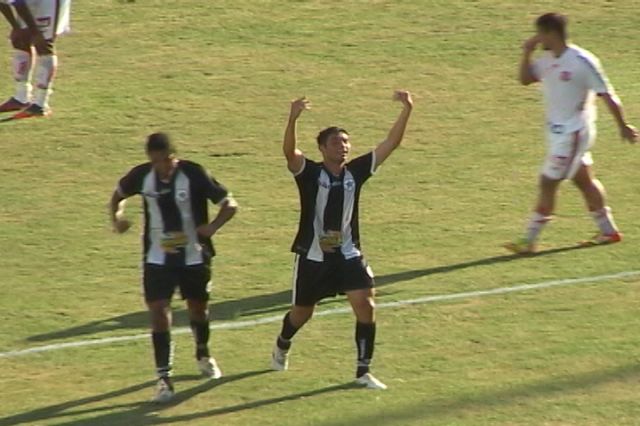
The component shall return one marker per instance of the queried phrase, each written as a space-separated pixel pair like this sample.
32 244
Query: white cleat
164 392
368 381
209 368
279 359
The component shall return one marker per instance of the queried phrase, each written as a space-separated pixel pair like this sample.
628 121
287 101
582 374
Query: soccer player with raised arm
35 24
177 246
571 79
329 259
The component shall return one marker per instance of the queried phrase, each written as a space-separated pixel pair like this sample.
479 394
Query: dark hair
324 135
553 22
160 142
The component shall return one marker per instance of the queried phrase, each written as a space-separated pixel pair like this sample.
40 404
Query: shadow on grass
135 413
267 303
427 411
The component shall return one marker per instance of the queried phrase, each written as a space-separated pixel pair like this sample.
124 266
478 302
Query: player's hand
531 43
20 37
299 105
121 225
41 45
629 133
404 97
206 231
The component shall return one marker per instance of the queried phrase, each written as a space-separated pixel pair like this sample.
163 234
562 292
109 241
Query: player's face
337 148
162 162
548 39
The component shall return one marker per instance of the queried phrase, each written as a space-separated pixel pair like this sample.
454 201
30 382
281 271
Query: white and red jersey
570 85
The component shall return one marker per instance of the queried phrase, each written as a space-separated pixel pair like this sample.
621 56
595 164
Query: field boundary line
231 325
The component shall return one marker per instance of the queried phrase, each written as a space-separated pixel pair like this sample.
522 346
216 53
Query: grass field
219 76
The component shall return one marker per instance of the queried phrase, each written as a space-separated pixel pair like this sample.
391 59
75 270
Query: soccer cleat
521 247
602 239
368 381
279 359
13 105
209 367
31 111
164 391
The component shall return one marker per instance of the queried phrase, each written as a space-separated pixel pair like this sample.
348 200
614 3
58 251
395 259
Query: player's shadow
266 303
134 413
499 398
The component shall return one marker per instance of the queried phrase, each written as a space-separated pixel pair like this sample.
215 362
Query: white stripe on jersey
324 186
348 249
155 254
193 249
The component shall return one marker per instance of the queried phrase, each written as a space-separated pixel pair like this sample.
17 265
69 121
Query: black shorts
314 281
160 281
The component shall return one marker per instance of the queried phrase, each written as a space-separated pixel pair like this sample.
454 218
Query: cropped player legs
199 321
595 198
363 305
160 317
545 206
46 66
22 64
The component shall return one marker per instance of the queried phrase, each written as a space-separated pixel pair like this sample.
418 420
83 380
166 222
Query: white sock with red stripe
45 71
22 63
604 220
535 225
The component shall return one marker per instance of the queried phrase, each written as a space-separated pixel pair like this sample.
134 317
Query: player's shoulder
583 55
189 165
141 169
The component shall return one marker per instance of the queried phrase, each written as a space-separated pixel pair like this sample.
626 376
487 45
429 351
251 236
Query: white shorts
567 152
52 16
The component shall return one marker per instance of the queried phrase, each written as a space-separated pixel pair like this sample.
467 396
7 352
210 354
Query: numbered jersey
173 210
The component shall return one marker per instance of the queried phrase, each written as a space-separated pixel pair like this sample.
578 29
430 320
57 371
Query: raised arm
526 74
394 138
295 158
6 10
627 131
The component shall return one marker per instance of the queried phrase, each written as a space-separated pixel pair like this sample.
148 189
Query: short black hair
324 135
160 142
553 22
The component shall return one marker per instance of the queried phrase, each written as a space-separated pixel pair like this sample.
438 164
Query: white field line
230 325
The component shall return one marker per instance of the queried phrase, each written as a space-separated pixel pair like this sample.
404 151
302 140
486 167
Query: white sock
535 225
604 220
45 71
22 64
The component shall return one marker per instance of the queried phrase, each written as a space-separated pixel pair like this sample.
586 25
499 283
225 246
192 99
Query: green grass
219 75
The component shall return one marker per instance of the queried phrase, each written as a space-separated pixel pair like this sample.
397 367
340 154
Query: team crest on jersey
349 185
182 195
566 75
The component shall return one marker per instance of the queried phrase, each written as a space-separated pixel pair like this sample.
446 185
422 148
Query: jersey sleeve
131 183
594 76
210 187
307 172
363 167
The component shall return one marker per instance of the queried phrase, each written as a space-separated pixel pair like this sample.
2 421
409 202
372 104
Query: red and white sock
45 72
604 220
22 63
535 225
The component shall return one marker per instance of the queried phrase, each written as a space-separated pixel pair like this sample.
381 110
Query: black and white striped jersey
329 208
173 210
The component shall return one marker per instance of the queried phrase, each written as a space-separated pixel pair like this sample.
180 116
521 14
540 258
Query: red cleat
32 111
602 239
13 105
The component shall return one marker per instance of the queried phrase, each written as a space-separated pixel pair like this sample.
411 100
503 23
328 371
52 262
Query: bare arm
228 209
295 158
25 14
6 10
627 131
394 138
526 75
116 213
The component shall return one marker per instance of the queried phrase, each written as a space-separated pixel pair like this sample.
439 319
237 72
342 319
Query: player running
571 78
177 246
328 256
35 24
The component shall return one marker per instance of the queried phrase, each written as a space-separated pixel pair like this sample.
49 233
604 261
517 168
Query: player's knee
299 315
46 49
